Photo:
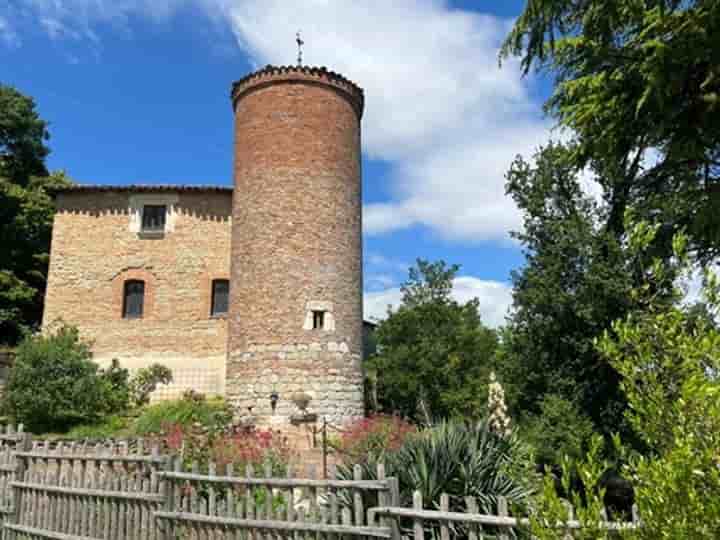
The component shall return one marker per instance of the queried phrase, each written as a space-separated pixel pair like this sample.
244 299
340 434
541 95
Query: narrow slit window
318 320
153 217
133 299
220 295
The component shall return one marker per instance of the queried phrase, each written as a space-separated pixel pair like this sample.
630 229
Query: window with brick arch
133 299
220 294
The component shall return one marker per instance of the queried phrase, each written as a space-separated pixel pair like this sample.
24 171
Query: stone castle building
253 292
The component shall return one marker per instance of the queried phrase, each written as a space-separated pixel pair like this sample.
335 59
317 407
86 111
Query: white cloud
439 109
7 34
495 299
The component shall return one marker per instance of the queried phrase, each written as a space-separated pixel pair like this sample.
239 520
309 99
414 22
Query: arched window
133 299
220 293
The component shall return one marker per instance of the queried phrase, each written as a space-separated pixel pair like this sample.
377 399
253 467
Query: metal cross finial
300 43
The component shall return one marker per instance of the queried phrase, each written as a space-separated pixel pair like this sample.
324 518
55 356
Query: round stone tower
295 315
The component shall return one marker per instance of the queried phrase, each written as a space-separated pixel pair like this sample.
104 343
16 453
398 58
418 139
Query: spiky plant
457 458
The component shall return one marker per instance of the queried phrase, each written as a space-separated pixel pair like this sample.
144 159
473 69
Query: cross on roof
300 43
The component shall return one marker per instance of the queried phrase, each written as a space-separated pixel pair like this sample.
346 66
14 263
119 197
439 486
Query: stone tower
295 317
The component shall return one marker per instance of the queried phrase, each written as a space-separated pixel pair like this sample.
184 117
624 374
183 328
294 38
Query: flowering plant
373 436
242 447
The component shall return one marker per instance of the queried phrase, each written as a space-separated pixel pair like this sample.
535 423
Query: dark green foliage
639 87
26 213
22 138
577 279
434 354
458 459
668 359
115 381
55 385
560 429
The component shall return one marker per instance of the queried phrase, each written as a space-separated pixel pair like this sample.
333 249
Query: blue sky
137 91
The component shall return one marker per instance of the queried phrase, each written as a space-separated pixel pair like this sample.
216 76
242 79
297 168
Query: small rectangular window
318 320
220 294
133 299
153 217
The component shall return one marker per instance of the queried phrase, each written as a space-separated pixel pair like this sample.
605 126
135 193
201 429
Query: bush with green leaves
55 385
115 381
145 381
669 360
192 408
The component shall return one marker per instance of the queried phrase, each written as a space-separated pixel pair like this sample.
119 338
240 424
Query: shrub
668 360
373 436
209 413
55 385
113 426
116 389
145 381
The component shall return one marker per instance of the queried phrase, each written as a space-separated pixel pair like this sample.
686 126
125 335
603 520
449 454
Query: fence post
569 534
394 501
382 494
471 506
503 512
23 445
444 507
163 526
418 531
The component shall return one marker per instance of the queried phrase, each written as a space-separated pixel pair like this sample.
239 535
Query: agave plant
460 459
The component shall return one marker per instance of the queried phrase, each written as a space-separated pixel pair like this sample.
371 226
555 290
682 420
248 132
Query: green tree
575 282
637 83
434 354
22 138
26 213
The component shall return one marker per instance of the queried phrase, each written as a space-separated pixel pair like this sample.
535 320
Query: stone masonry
296 245
96 248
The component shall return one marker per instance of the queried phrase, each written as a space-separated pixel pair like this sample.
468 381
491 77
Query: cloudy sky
136 91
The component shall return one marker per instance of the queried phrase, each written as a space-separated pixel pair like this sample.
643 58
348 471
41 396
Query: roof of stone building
94 188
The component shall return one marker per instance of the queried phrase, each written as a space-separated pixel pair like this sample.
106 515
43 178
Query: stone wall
296 245
97 246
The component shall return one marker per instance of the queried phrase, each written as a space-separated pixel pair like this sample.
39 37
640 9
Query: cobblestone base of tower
328 372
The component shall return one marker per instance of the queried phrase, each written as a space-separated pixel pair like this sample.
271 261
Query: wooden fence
229 505
115 490
473 525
